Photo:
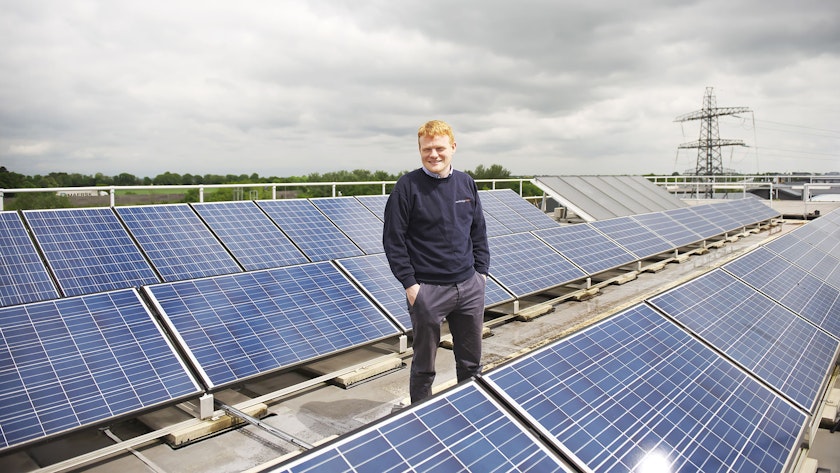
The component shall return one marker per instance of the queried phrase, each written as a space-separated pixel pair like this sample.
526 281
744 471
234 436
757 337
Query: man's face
436 153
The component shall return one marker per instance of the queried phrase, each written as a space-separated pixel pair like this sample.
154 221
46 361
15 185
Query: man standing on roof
435 239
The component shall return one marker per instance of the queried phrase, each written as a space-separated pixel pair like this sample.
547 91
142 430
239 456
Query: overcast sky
288 88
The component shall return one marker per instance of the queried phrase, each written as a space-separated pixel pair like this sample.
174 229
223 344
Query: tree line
13 180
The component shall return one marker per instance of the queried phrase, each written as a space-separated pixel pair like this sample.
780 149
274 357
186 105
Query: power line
800 126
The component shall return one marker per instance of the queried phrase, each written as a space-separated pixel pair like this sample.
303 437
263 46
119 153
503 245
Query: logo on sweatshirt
463 201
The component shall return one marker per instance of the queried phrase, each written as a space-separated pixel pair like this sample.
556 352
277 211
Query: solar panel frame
784 350
463 429
23 275
88 250
309 229
633 236
636 388
240 326
586 247
355 220
250 236
80 361
524 264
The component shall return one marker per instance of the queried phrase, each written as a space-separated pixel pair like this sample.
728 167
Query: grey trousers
462 305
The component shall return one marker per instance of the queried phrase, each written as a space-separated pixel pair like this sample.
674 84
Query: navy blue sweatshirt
434 229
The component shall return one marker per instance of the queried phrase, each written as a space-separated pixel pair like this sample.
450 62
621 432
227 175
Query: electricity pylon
709 161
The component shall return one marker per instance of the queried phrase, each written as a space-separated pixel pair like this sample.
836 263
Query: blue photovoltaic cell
177 242
530 212
524 264
248 324
375 203
822 237
504 214
750 211
816 262
784 350
695 222
495 227
586 247
89 250
23 276
716 213
495 294
792 286
374 276
79 361
253 239
637 393
632 235
784 243
312 232
355 220
677 234
461 430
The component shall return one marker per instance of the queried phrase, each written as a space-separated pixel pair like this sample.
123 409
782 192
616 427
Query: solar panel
355 220
637 393
88 250
821 237
695 222
791 286
784 243
524 265
715 213
309 229
373 275
504 214
757 210
633 236
23 276
495 227
768 340
253 239
586 247
537 217
177 242
79 361
375 203
677 234
462 430
495 294
819 264
243 325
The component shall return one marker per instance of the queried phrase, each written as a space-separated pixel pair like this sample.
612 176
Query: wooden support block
211 426
534 311
333 365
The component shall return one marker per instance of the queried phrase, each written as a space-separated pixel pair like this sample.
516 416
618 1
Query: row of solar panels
718 374
95 250
77 361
